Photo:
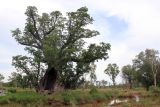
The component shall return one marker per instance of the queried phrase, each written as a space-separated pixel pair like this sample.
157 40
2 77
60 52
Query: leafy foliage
147 67
58 42
128 73
30 71
12 90
112 70
1 77
24 98
155 90
92 73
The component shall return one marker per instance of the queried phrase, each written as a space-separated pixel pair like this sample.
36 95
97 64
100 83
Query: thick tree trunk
47 83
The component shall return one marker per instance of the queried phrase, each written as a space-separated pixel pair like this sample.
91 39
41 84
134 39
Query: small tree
112 70
1 78
128 74
13 79
147 65
98 84
104 83
29 66
92 73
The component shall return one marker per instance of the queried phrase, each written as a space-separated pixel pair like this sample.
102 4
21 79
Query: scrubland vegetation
80 98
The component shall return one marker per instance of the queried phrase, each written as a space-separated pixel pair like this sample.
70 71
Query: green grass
29 98
25 97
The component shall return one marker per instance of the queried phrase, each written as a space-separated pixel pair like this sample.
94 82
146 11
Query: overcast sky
130 26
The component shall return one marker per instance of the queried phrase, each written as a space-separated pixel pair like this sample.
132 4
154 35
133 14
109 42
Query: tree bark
155 81
130 83
114 83
47 83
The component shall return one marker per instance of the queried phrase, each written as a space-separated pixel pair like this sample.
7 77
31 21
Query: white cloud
143 19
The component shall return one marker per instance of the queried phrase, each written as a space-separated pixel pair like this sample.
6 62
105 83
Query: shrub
98 96
155 90
23 97
87 98
12 90
4 100
67 97
93 90
109 95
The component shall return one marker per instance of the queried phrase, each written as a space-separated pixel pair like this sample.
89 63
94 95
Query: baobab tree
57 41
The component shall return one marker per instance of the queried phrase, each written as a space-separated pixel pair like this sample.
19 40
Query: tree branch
37 36
26 44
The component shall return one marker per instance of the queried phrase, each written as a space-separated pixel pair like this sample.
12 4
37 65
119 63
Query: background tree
1 78
31 67
13 79
58 42
147 67
98 84
74 76
155 63
128 74
19 80
112 70
92 73
104 83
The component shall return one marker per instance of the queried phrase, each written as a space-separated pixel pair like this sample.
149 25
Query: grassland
80 98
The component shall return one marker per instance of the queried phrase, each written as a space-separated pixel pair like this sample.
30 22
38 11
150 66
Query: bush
67 97
93 90
21 98
155 90
27 97
109 95
12 90
4 100
87 98
98 96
